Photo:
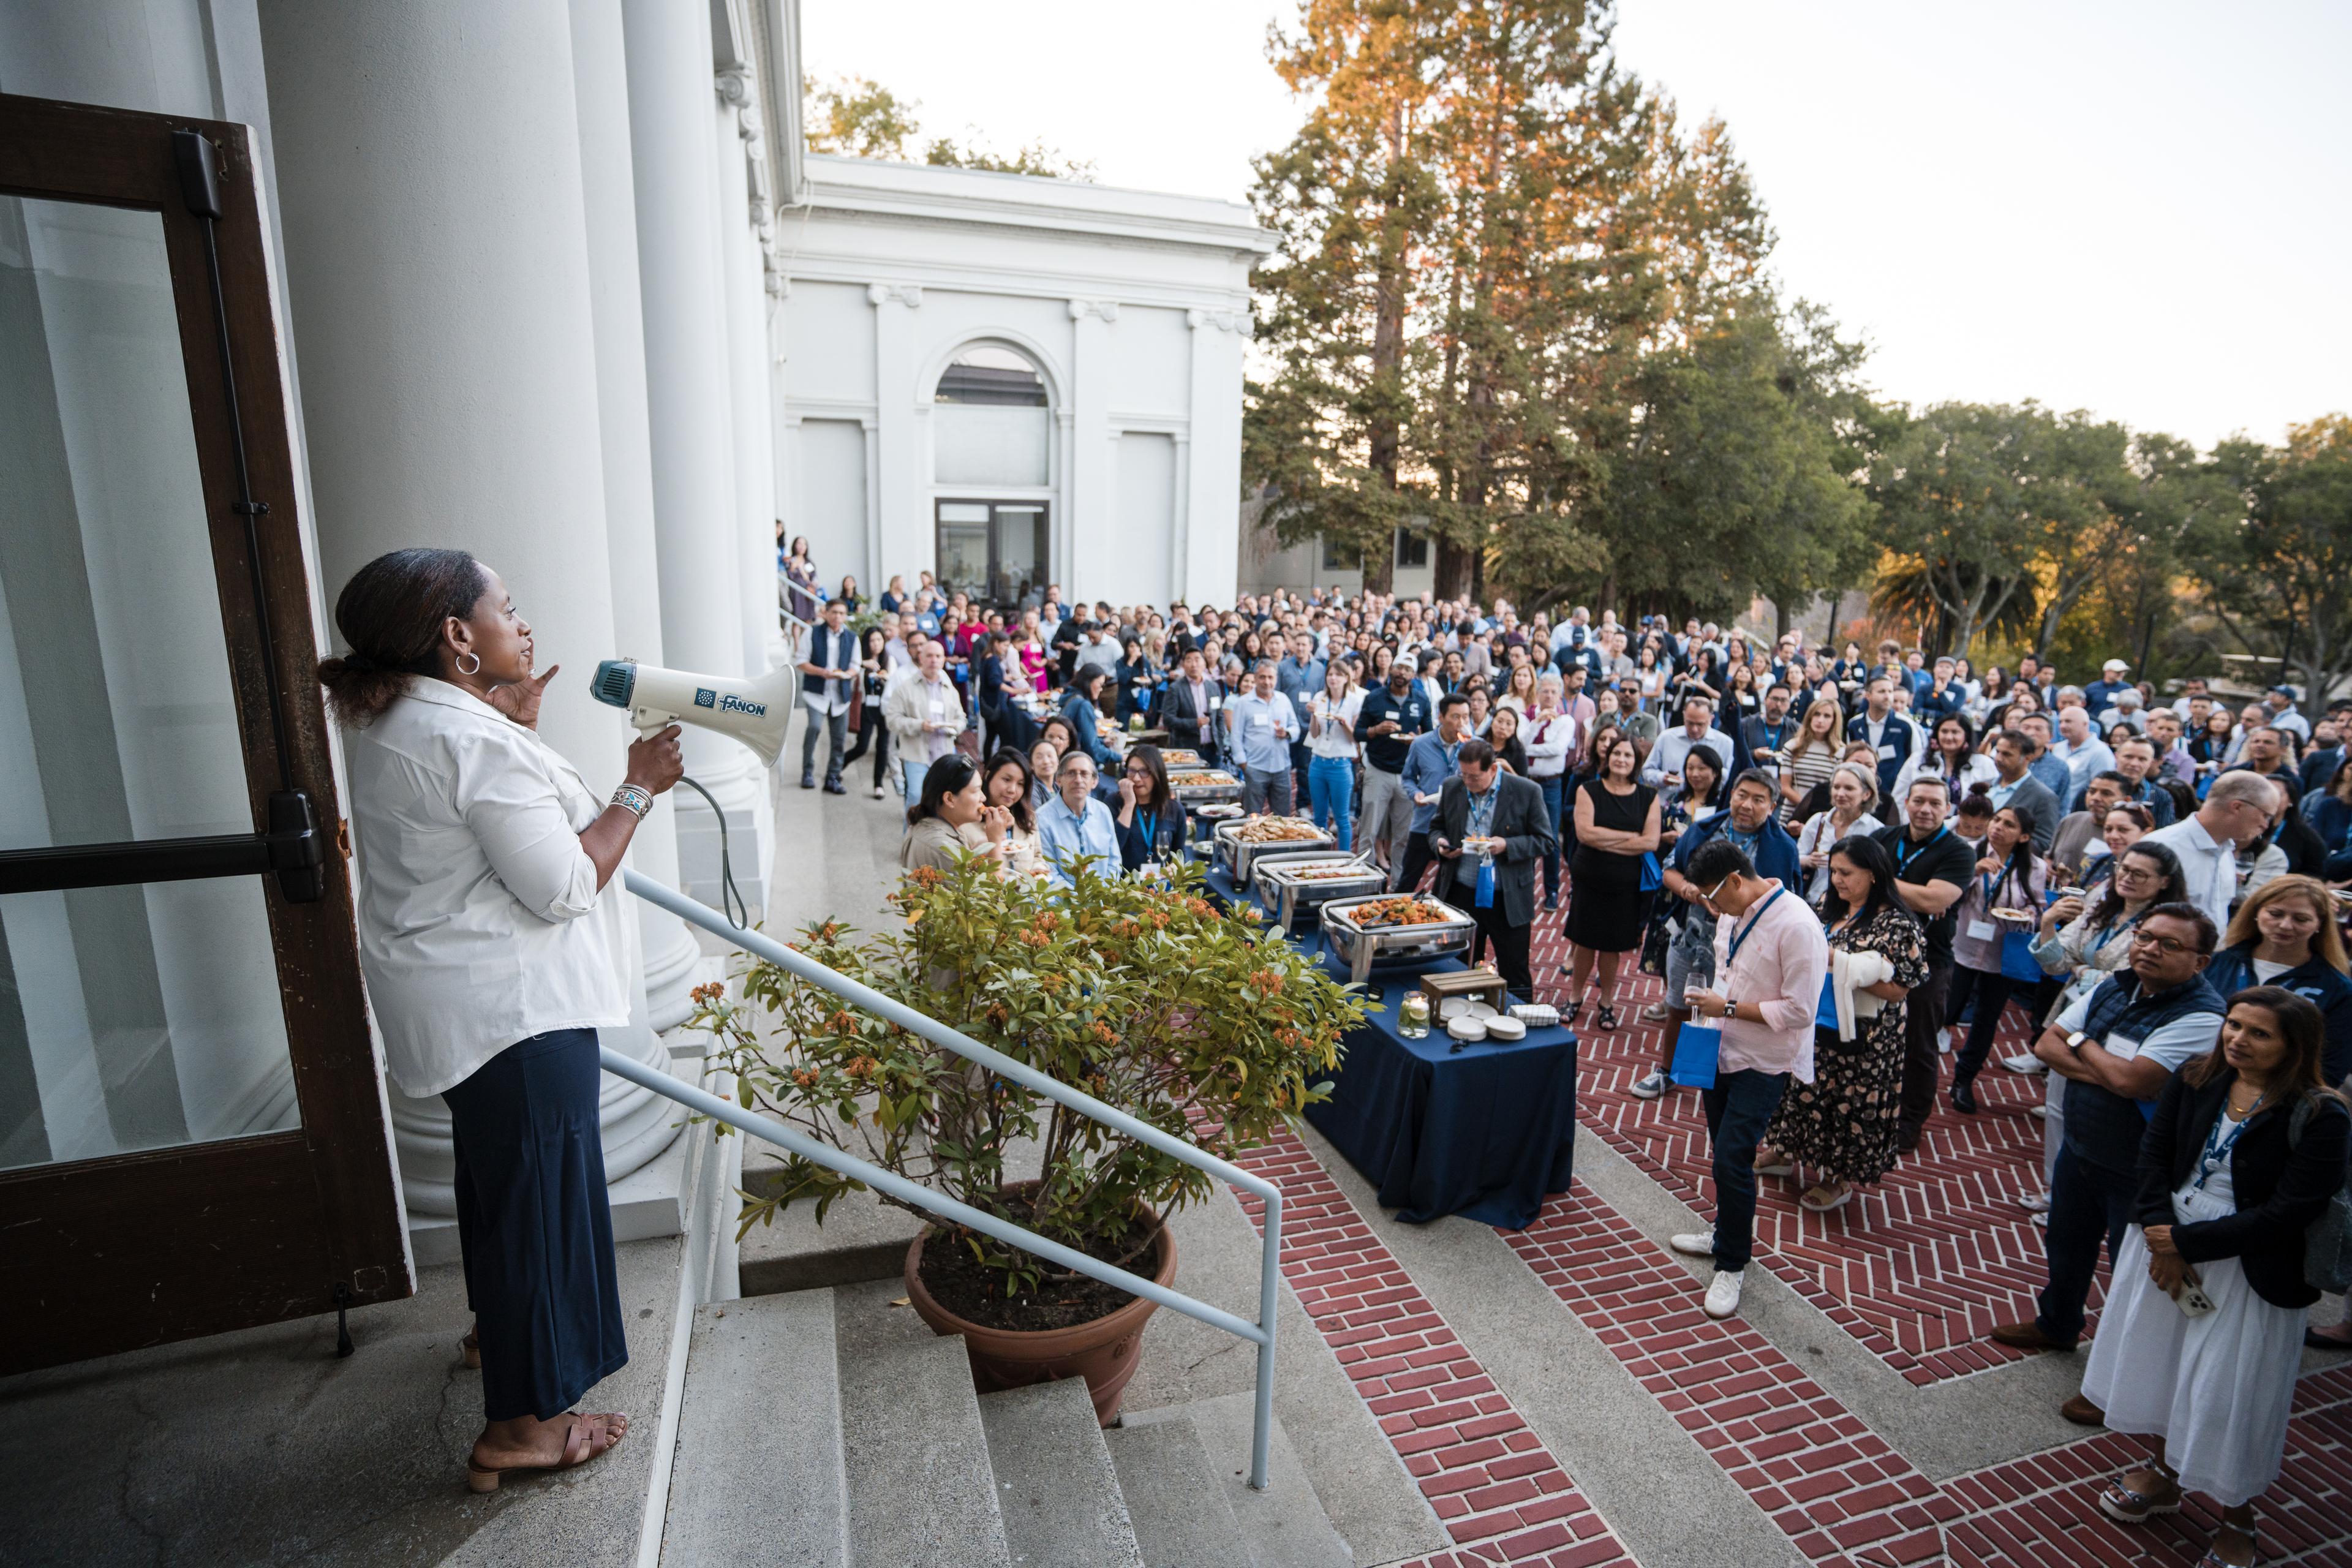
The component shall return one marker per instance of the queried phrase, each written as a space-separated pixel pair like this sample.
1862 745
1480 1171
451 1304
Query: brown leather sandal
589 1437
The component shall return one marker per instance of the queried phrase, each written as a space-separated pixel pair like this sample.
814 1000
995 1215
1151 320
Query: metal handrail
1260 1333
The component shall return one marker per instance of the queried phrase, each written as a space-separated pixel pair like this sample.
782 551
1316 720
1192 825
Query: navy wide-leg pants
535 1226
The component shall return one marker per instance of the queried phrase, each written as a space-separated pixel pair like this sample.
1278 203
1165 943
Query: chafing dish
1241 842
1364 949
1198 786
1290 885
1178 758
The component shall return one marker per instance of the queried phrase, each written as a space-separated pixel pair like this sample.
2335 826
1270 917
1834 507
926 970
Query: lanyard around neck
1906 851
1739 937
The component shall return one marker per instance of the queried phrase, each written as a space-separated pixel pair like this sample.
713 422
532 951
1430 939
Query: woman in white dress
2202 1335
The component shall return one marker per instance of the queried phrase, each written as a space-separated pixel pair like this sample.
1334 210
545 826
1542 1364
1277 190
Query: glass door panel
131 1017
962 564
1020 552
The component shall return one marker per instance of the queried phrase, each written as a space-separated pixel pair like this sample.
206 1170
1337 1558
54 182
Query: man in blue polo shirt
1433 760
2117 1047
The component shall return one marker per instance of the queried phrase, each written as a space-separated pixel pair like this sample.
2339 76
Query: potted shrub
1141 994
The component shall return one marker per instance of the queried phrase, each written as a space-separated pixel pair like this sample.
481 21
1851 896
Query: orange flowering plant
1144 995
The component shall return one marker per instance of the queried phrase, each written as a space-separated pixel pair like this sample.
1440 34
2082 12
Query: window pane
115 705
963 554
1019 551
130 1017
979 444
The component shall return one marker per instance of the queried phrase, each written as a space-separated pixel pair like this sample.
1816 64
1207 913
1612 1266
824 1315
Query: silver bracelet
633 800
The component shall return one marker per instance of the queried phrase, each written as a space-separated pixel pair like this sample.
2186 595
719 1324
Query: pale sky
2139 207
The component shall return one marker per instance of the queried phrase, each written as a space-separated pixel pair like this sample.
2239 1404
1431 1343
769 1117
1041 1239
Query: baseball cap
2115 664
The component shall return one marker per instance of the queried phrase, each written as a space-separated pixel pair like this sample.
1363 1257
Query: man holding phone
1491 829
2116 1047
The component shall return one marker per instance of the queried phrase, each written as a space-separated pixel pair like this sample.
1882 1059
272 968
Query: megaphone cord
731 903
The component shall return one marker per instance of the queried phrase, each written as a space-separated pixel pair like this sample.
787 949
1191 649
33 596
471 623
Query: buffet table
1483 1132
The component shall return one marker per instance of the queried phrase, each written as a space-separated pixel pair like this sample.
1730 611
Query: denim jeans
911 773
2088 1203
1739 1110
1555 798
1332 790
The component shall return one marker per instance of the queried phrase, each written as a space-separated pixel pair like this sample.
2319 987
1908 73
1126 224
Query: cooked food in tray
1402 910
1204 778
1278 830
1338 872
1174 760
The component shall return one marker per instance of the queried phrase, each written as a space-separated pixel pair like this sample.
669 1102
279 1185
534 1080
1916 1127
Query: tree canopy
857 117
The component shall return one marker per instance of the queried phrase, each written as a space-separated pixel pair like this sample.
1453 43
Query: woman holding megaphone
492 957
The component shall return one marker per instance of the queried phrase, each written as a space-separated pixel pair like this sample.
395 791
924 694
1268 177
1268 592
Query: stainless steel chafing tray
1285 890
1237 854
1178 758
1390 947
1204 787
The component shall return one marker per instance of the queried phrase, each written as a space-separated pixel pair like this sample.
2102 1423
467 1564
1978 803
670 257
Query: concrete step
758 1475
1174 1499
1284 1526
922 1493
1055 1481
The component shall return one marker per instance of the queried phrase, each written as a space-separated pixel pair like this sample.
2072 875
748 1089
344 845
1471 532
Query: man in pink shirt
1770 960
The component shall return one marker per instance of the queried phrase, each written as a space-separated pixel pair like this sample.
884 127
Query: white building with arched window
1013 381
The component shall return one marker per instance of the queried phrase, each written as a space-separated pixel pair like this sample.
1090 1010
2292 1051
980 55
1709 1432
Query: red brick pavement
1500 1493
1918 1267
1832 1486
2015 1511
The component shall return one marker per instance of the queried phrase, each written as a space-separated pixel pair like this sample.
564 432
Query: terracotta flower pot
1103 1352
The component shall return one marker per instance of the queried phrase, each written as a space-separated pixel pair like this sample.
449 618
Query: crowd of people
1842 866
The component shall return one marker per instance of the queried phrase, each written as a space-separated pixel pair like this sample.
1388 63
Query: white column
697 530
747 362
904 547
1092 500
600 74
1212 472
443 301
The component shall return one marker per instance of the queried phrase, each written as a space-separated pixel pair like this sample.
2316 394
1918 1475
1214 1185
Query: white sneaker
2027 1063
2042 1219
2041 1110
1649 1087
2035 1203
1944 1042
1694 1244
1722 1294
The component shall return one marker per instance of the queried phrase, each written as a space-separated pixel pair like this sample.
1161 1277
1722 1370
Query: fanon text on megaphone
754 709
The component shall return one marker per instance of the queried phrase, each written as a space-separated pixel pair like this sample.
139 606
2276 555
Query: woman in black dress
1616 827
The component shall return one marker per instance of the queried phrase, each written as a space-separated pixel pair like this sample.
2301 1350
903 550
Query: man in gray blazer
1487 815
2013 752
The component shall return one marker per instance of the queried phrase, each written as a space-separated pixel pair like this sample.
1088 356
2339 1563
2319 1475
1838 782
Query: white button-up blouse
480 921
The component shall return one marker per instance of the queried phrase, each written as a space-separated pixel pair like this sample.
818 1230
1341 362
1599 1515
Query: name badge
1216 703
2122 1046
939 707
1261 722
1886 753
1982 931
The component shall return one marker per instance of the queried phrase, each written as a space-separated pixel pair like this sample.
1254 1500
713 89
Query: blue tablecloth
1483 1132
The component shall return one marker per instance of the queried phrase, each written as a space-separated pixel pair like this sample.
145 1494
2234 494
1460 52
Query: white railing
1259 1333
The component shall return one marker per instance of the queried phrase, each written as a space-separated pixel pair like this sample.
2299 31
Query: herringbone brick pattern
2015 1512
1500 1493
1832 1486
1918 1267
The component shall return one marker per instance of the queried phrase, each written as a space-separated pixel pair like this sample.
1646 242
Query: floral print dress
1842 1124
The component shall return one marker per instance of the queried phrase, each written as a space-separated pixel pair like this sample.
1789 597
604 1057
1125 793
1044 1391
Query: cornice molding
1106 311
908 294
1222 321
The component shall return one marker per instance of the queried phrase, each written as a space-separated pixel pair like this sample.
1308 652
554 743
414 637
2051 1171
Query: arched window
993 423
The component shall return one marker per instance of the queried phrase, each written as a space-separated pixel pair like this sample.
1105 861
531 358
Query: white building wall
1132 306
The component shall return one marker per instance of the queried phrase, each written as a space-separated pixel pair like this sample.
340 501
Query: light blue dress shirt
1252 720
1063 836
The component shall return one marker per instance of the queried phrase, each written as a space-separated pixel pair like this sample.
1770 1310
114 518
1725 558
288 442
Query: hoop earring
462 656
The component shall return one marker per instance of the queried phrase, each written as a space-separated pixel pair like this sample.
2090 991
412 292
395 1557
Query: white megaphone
754 710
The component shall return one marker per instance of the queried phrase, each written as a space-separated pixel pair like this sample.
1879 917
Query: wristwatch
2074 1041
